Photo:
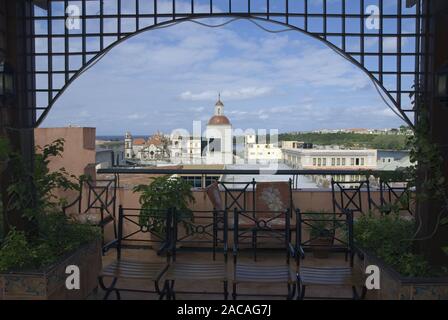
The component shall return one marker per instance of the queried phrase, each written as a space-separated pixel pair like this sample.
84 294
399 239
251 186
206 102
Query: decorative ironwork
383 38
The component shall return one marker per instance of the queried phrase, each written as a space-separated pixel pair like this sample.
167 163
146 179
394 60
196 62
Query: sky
167 78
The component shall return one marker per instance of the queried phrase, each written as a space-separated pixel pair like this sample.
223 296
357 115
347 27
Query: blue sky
165 79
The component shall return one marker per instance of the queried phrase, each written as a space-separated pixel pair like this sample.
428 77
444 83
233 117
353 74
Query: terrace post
17 116
436 47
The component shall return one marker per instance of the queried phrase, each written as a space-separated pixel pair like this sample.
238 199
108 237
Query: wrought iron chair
247 273
340 227
201 230
98 207
395 194
271 196
131 269
350 195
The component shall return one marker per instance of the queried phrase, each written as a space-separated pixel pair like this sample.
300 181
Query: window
314 162
338 161
343 161
333 162
194 181
362 161
324 162
319 162
352 161
357 161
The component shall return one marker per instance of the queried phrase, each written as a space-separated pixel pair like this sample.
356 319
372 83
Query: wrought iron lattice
381 37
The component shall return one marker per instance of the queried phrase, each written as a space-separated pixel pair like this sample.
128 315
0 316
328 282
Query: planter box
396 287
50 283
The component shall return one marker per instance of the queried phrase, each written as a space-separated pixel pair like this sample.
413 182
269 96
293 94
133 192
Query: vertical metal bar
192 6
268 8
120 230
344 21
50 53
381 51
84 57
325 18
119 19
362 28
287 11
155 11
418 40
66 44
399 38
137 14
306 15
101 25
174 9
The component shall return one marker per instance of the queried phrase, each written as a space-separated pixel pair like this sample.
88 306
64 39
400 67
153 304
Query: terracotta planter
322 244
49 284
396 287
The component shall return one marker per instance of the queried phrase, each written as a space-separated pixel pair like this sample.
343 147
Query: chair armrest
64 208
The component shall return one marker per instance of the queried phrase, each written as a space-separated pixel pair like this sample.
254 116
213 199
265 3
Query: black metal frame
350 197
340 26
339 223
391 195
262 225
218 217
215 221
118 244
102 196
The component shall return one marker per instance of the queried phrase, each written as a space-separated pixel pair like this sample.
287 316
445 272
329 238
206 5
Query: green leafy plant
390 238
321 226
162 194
34 195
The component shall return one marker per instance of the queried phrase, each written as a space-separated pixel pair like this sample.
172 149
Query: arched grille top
381 36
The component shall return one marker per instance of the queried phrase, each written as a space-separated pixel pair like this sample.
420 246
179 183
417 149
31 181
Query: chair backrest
200 230
328 231
395 193
237 194
273 196
262 225
143 227
347 195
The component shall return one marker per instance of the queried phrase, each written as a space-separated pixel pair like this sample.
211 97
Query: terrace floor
264 257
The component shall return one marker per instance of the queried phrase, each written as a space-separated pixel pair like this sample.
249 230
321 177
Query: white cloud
236 94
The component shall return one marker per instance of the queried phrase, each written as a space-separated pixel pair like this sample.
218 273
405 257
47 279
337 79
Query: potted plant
162 194
33 261
387 242
321 235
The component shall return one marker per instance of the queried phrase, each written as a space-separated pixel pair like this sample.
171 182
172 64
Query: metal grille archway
381 37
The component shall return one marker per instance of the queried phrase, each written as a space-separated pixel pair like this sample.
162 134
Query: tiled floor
265 257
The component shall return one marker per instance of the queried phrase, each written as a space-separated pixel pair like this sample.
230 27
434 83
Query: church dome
219 120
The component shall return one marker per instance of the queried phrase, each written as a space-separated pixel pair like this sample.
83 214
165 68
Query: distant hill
350 140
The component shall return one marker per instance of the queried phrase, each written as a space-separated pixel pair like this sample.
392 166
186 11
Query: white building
186 149
255 152
145 150
331 159
214 147
219 137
